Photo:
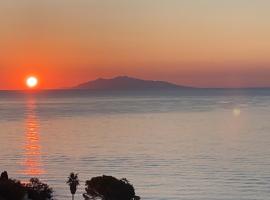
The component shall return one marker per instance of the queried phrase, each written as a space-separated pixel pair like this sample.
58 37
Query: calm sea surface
190 145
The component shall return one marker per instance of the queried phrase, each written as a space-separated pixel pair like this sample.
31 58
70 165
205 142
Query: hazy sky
205 43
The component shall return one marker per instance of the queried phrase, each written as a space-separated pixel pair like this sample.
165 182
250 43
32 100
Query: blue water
210 144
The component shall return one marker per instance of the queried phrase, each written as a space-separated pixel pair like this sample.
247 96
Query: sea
190 144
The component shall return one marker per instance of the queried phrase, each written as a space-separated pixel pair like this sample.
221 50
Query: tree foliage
11 189
14 190
109 188
37 190
73 182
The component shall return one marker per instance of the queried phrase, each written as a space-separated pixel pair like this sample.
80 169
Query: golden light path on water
32 162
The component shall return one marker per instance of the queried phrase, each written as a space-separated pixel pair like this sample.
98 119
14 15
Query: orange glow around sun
32 82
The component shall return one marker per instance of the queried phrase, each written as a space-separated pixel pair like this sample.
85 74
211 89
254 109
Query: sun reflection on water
32 163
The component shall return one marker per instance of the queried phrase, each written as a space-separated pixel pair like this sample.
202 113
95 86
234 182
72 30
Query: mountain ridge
127 83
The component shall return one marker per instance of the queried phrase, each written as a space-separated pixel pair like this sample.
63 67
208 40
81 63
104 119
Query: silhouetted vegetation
109 188
4 176
11 189
73 182
37 190
101 187
14 190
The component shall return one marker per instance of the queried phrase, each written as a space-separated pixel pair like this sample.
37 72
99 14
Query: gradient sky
204 43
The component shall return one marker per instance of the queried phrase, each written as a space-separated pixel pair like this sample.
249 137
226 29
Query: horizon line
74 87
178 89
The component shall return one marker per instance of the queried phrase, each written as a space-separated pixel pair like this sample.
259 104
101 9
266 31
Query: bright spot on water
236 112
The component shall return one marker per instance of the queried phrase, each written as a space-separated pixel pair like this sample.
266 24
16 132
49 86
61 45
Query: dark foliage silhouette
109 188
101 187
73 182
37 190
4 176
10 189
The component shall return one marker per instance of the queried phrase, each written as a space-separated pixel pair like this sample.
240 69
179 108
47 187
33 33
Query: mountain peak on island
127 83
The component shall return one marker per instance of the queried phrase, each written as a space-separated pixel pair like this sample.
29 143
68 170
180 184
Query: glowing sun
31 81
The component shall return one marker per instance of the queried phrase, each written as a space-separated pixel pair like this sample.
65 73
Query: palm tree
73 181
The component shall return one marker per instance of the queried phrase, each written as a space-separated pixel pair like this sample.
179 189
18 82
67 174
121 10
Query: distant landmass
128 83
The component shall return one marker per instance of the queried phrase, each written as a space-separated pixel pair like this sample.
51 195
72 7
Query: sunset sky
204 43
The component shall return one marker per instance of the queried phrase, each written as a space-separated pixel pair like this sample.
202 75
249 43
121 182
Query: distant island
128 83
